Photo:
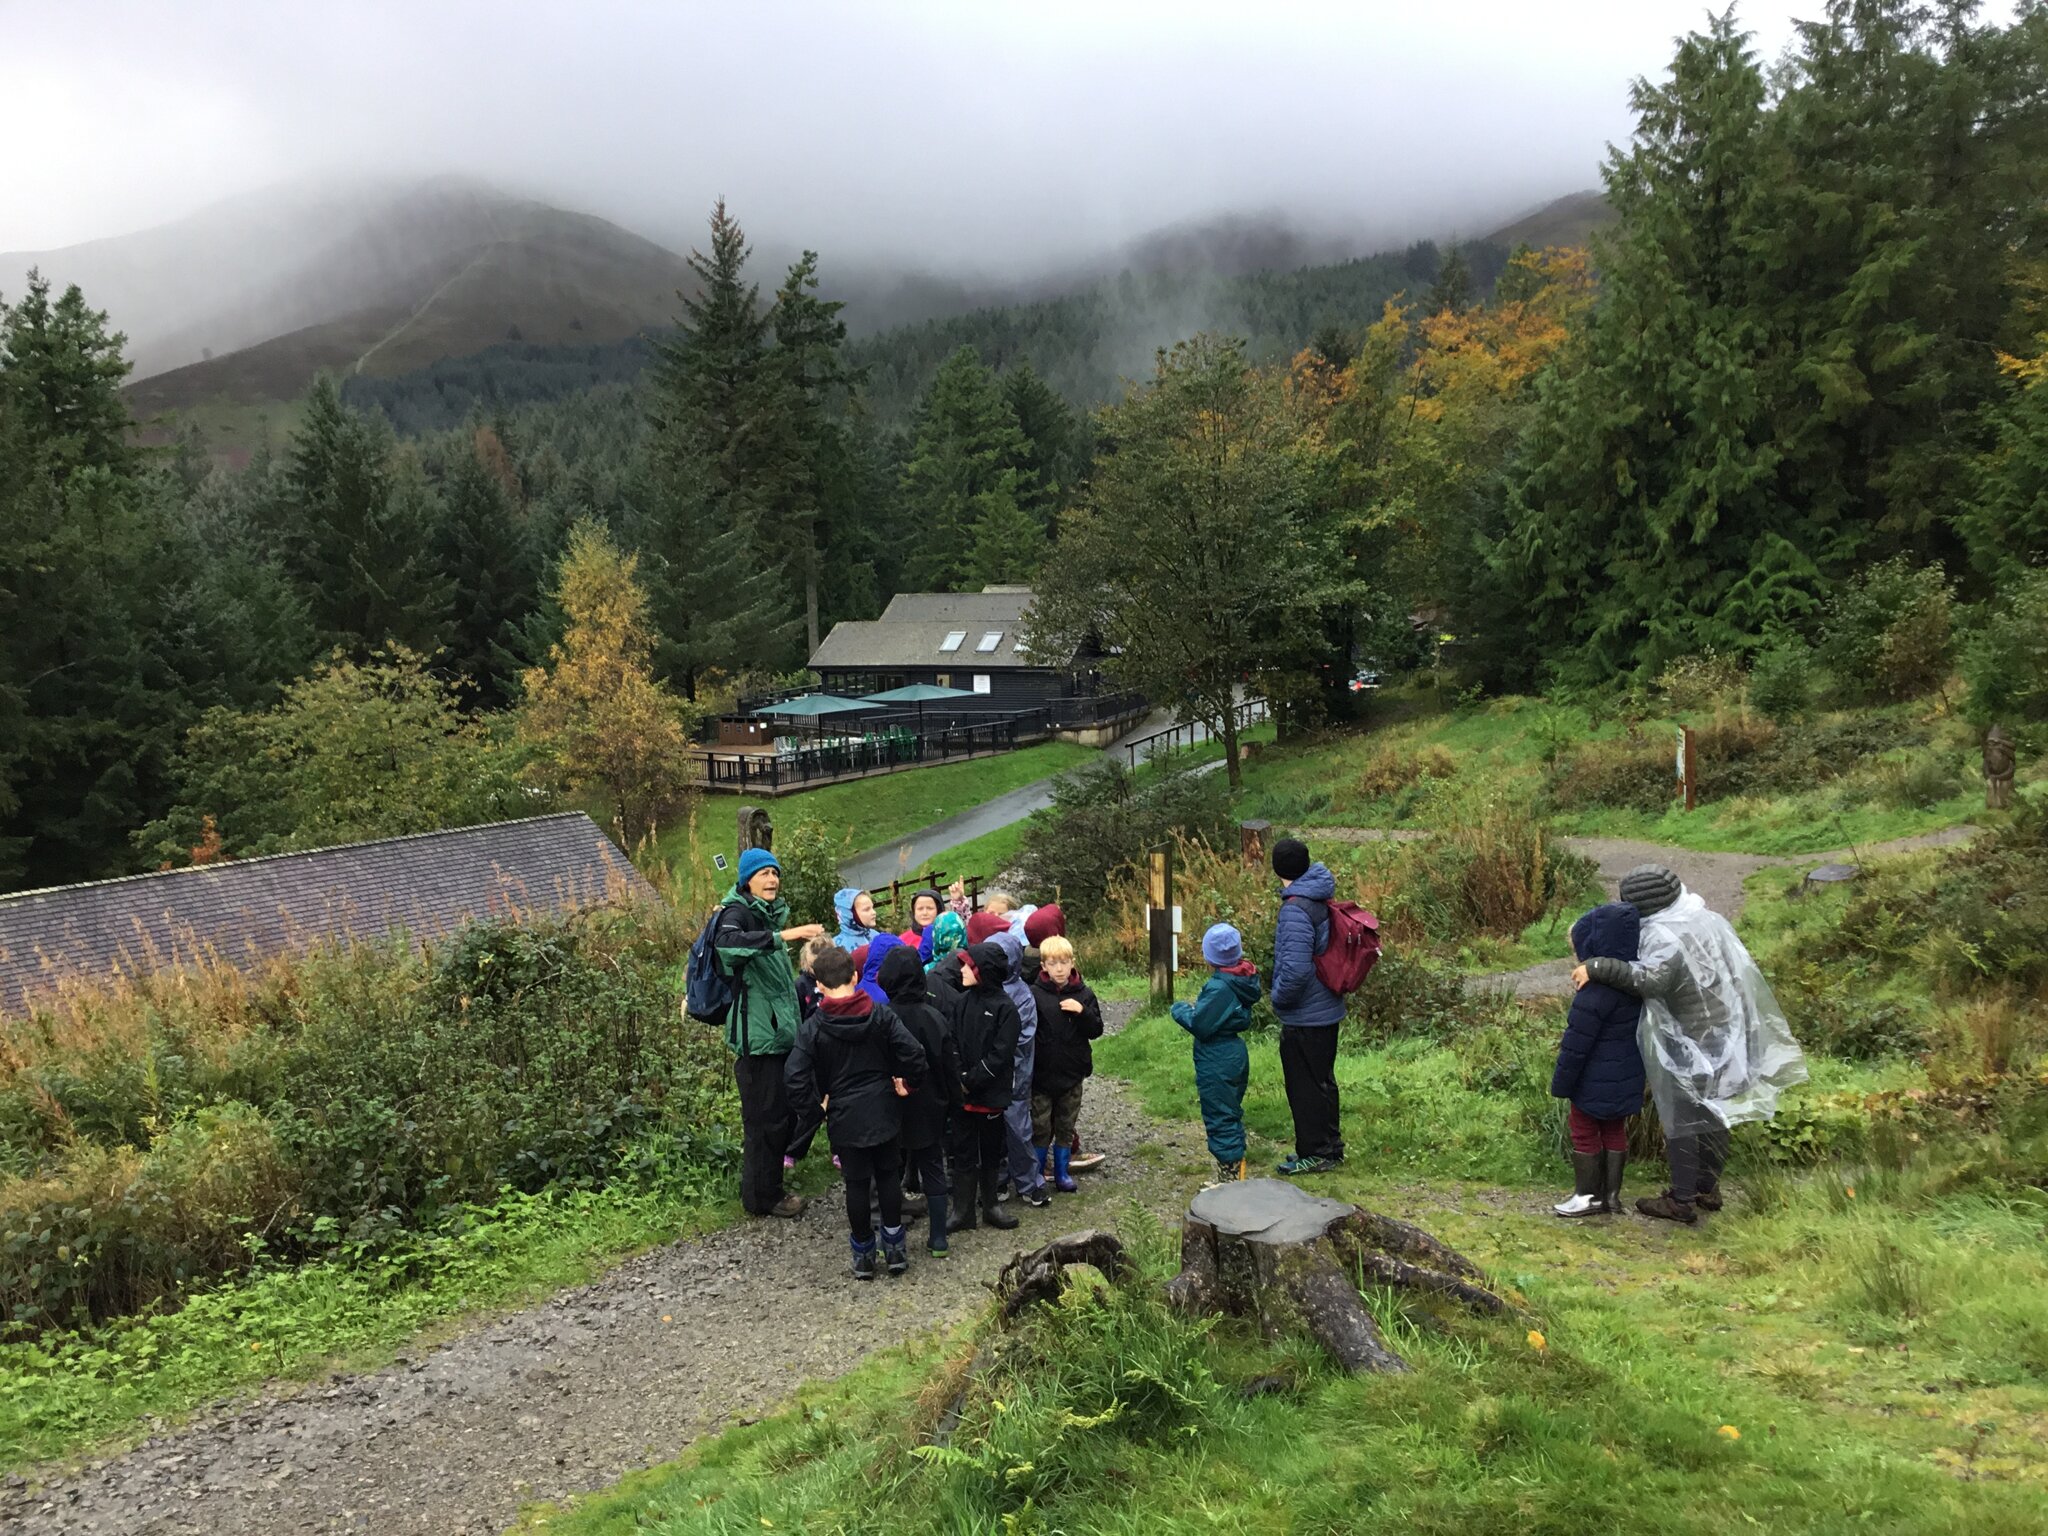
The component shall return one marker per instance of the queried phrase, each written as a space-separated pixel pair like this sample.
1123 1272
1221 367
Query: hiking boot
1229 1171
866 1262
895 1250
1299 1164
1611 1166
1588 1184
1707 1199
1037 1197
1062 1174
788 1207
1666 1207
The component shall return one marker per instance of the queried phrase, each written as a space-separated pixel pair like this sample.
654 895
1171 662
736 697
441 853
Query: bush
1694 683
810 870
1733 754
1103 818
1890 633
1390 770
172 1130
1781 681
2005 659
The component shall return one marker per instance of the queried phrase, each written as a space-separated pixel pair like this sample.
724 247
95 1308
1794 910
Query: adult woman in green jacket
751 940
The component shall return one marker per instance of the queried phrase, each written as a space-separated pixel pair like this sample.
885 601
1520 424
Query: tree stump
1267 1249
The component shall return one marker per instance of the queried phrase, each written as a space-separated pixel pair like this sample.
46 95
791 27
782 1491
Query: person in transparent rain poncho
1716 1047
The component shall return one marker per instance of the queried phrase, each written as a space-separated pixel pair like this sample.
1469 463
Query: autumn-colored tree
597 717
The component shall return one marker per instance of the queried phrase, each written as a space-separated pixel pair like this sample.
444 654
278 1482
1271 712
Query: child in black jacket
985 1029
1069 1017
1599 1067
926 1110
858 1062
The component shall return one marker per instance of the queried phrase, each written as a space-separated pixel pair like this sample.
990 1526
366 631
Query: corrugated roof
247 910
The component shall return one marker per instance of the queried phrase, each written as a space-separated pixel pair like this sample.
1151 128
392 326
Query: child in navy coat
1599 1067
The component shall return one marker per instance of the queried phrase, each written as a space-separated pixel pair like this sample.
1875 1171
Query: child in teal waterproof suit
1223 1068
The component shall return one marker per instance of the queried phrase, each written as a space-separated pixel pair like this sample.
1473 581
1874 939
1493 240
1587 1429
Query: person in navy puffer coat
1599 1067
1309 1011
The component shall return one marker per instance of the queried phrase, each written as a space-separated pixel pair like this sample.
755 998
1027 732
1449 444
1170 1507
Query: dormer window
990 641
953 640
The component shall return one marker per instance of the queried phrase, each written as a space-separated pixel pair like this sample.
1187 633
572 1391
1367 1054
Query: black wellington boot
964 1214
1611 1166
991 1212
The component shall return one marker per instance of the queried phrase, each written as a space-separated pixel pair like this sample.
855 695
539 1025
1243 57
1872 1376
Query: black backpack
707 991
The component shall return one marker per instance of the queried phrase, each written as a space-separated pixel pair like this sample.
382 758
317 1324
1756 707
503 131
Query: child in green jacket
1223 1068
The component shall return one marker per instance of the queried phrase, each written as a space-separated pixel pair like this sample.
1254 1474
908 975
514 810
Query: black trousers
978 1148
805 1127
872 1174
764 1129
926 1168
1308 1062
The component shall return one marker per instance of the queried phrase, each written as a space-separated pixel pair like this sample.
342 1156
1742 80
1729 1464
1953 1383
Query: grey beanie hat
1650 888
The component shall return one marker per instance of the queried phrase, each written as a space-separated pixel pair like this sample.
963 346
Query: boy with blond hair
1069 1017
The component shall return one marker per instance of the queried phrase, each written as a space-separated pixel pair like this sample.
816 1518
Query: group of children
946 1064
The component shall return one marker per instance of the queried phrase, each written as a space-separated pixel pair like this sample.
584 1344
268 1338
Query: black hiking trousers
765 1125
1695 1148
1308 1062
978 1150
873 1175
925 1167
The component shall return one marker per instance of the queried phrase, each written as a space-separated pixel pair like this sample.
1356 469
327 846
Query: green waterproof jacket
1218 1015
764 1015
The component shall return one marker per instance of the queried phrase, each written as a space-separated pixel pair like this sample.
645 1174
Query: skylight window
990 641
953 639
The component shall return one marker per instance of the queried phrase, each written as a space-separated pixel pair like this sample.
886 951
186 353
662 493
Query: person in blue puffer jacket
1599 1066
1309 1011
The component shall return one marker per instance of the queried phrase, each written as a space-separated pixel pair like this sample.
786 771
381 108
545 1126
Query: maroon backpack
1351 950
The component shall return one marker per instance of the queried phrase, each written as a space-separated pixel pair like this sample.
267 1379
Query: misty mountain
1568 220
247 300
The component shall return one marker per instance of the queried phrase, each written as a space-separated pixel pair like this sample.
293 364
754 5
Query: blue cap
752 862
1222 946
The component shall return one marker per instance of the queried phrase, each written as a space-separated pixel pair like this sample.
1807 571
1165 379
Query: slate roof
248 910
915 624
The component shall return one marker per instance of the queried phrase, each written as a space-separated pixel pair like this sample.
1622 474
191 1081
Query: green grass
1840 1357
1799 824
988 855
869 812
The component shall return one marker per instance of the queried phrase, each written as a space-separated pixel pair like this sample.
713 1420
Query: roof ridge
305 853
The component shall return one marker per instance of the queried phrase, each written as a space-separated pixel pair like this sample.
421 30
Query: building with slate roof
970 640
246 911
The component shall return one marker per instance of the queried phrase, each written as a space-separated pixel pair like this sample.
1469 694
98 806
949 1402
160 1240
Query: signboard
1176 933
718 859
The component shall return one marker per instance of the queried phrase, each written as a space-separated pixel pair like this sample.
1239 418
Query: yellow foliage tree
595 713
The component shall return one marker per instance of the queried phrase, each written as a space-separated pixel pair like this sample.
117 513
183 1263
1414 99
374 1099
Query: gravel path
596 1382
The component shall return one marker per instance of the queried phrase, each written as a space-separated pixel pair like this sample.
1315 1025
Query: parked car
1364 680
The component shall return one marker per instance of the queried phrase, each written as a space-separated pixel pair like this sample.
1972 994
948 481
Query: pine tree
965 447
484 548
1452 289
353 523
1056 447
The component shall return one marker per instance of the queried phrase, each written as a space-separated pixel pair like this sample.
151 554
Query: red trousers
1590 1135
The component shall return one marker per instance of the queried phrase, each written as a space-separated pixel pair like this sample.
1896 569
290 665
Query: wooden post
757 828
1160 893
1253 835
1687 770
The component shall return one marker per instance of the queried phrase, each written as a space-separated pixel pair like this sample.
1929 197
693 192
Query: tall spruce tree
1646 517
968 461
485 549
354 522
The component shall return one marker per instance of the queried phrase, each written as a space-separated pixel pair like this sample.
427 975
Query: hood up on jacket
880 947
1613 931
983 926
1044 923
852 933
901 977
1019 990
1316 883
991 965
941 939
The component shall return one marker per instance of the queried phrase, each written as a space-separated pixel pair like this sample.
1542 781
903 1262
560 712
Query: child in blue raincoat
1217 1019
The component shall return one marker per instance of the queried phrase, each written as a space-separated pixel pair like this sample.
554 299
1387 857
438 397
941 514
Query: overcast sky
966 133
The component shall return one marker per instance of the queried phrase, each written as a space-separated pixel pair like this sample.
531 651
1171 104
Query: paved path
915 850
571 1395
1717 877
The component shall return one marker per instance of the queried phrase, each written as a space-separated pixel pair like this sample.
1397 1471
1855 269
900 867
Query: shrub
1103 818
1489 868
1390 770
810 870
1918 781
1781 681
157 1131
1733 754
1694 683
1890 632
2005 658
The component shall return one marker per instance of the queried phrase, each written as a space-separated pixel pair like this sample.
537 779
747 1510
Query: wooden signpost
1688 773
1159 914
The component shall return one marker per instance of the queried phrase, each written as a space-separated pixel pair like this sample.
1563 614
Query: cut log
1268 1250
